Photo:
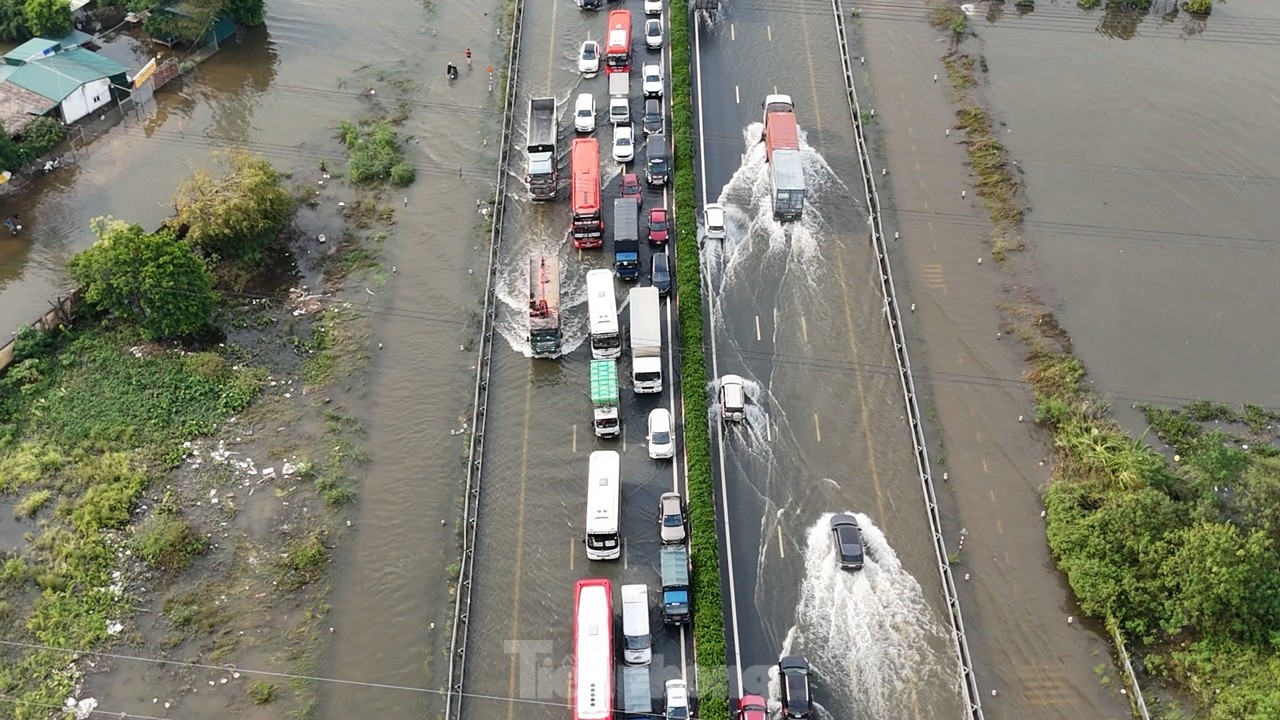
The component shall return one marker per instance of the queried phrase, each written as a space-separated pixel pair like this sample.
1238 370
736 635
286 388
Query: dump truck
541 176
676 609
646 340
544 305
626 239
782 151
604 398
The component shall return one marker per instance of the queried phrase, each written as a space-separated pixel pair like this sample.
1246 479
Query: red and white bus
587 223
617 53
593 650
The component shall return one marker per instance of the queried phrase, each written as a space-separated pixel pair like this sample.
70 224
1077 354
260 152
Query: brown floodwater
1146 145
280 90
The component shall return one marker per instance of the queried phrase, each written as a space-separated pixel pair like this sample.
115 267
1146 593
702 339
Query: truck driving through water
586 221
541 176
626 239
782 148
604 398
602 309
675 585
646 341
544 305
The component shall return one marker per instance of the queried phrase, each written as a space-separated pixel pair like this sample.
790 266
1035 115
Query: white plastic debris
82 709
114 628
268 473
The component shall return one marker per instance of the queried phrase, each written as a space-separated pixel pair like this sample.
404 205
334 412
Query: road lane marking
624 554
757 328
999 527
573 552
737 96
622 433
813 77
551 50
769 29
733 32
984 467
991 494
575 437
768 435
860 382
515 593
781 551
817 429
977 436
715 372
804 329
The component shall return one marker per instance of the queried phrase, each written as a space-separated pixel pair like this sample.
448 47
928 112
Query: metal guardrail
970 684
1135 698
475 454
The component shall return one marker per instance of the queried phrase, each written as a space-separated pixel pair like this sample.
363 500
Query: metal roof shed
78 81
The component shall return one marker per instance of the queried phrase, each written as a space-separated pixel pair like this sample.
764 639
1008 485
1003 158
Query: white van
584 113
637 645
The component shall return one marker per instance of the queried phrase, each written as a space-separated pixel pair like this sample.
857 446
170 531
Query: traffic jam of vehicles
593 691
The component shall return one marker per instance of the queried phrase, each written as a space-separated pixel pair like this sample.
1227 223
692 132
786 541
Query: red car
752 707
631 188
659 226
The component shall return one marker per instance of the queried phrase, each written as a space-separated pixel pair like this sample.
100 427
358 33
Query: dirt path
1016 604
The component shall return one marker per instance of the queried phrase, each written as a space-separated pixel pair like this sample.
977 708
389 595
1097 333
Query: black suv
847 538
657 167
793 671
652 116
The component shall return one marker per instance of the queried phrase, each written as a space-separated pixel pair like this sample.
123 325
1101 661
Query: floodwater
798 312
538 434
1145 142
280 90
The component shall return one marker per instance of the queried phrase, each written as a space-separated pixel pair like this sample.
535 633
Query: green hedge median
708 615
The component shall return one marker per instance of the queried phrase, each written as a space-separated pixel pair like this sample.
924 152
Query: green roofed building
44 77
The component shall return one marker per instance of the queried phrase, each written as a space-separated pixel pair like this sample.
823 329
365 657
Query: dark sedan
793 671
847 538
660 273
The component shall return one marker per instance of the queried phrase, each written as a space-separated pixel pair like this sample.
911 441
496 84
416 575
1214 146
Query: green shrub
302 561
708 615
42 135
168 542
374 155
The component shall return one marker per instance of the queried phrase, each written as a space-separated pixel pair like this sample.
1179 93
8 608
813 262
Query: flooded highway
529 548
798 311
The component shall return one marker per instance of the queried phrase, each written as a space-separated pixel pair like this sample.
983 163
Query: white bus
604 495
593 650
606 339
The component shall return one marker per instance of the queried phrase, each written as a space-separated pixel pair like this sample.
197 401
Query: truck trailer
626 239
604 398
676 609
620 98
541 175
782 151
646 340
544 305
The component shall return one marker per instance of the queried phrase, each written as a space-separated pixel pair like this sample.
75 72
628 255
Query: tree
1222 581
235 214
48 17
247 12
13 21
152 279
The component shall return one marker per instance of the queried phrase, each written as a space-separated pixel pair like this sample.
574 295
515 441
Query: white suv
652 7
652 77
677 700
713 217
661 440
624 144
584 113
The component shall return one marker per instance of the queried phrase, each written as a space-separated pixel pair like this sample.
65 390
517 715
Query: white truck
646 341
604 398
620 98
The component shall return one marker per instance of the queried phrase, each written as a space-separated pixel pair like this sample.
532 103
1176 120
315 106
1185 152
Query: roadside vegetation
708 615
1171 539
126 445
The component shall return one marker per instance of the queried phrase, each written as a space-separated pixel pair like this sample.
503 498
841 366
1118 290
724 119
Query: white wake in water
755 241
511 285
869 635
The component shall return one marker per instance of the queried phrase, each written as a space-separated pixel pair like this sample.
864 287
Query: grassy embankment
1177 550
94 424
708 617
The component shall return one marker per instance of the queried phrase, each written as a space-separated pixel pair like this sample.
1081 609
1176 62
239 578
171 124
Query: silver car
671 518
733 398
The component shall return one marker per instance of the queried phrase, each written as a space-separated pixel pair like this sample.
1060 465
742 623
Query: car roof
793 661
660 258
731 380
660 412
630 178
843 519
660 211
652 67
